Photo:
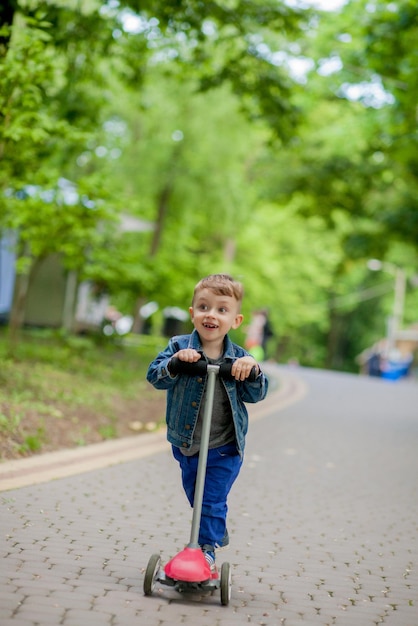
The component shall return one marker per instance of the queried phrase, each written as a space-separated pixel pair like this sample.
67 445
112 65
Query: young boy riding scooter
215 310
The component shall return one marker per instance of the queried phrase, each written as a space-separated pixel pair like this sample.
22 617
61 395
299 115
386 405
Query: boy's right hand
188 354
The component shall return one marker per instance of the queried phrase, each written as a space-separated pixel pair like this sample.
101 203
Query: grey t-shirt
222 430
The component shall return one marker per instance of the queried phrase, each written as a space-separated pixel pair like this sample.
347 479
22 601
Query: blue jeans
223 467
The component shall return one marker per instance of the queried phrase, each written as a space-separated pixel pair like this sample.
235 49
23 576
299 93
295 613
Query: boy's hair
222 285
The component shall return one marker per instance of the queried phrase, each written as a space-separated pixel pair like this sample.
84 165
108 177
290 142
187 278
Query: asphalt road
323 522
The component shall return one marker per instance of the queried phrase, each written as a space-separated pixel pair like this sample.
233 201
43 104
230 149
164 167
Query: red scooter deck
190 565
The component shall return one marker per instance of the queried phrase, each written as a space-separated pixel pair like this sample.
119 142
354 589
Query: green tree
57 65
365 62
191 180
33 139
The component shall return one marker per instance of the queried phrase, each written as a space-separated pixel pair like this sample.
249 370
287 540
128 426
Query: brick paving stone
16 621
65 599
76 617
41 614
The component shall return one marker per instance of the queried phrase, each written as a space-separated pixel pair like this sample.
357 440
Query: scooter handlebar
200 368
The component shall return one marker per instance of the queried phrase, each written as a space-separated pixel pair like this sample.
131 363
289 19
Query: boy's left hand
242 367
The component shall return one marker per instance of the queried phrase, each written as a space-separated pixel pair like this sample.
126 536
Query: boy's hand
242 367
188 354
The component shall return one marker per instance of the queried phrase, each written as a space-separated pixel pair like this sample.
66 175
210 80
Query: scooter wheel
225 584
151 574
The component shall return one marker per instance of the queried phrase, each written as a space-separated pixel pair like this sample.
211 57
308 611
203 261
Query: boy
215 310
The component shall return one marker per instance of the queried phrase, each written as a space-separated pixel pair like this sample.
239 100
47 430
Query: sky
327 5
324 5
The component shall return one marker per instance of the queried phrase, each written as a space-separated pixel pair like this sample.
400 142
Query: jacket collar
195 343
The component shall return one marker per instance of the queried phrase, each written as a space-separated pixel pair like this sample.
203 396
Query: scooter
188 571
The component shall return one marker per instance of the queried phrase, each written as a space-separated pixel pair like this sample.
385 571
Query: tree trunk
162 208
69 301
229 251
7 12
332 357
164 199
17 313
138 322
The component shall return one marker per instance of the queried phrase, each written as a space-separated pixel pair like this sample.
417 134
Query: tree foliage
194 117
373 168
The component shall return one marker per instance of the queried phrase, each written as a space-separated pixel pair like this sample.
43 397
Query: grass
63 391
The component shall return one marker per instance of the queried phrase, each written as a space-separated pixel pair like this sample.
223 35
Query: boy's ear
191 312
238 321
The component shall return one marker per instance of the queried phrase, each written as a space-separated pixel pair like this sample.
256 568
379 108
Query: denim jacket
184 392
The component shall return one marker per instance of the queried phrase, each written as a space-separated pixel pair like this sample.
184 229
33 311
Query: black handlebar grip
253 374
199 368
225 372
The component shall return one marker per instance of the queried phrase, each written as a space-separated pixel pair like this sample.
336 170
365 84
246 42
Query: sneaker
224 544
209 554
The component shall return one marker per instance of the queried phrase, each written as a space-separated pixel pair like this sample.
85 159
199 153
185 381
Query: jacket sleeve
158 374
253 392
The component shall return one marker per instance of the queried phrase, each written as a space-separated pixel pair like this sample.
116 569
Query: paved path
323 522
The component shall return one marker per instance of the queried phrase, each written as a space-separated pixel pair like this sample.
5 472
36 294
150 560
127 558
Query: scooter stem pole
203 455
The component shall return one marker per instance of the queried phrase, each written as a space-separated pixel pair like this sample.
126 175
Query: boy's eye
222 309
202 307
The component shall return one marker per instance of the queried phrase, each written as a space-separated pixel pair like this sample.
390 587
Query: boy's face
214 315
